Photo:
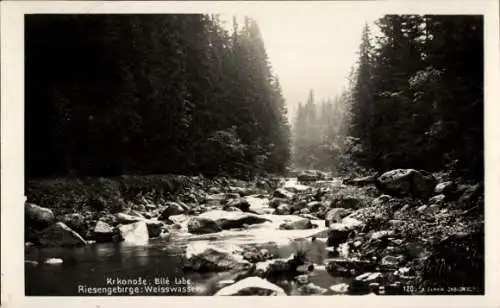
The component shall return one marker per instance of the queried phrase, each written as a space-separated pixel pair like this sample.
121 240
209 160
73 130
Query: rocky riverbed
405 232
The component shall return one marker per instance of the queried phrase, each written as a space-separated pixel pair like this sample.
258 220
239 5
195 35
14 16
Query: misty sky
311 50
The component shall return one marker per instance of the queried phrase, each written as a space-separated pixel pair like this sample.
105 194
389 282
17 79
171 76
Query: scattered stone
348 202
447 188
335 215
369 277
295 187
340 288
381 234
392 261
422 208
297 224
288 267
396 223
283 193
302 279
404 271
241 203
252 286
204 257
103 232
438 199
60 235
308 176
54 261
123 218
172 208
225 283
348 268
311 289
213 190
381 200
200 225
352 223
275 202
283 209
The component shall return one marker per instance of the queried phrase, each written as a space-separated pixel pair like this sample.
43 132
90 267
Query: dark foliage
415 101
150 94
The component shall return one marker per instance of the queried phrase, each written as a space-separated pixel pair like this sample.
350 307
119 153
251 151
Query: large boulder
252 286
60 235
38 217
103 232
335 215
204 257
229 220
200 225
297 224
134 233
172 208
405 182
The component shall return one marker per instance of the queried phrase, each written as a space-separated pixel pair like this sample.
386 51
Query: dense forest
150 94
415 100
174 128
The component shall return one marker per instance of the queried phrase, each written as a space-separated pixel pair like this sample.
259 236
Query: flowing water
94 265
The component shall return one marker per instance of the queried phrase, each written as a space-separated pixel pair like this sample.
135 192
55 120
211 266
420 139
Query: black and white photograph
258 153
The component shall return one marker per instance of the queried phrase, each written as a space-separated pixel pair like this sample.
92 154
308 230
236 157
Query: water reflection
159 258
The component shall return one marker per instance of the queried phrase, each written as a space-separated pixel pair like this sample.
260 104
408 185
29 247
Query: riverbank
407 232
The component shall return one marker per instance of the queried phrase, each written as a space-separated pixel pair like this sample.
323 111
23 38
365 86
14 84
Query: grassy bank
112 194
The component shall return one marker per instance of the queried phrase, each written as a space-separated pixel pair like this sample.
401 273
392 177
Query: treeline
416 95
150 94
319 130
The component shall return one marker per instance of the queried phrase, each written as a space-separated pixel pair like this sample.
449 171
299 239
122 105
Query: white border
12 125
